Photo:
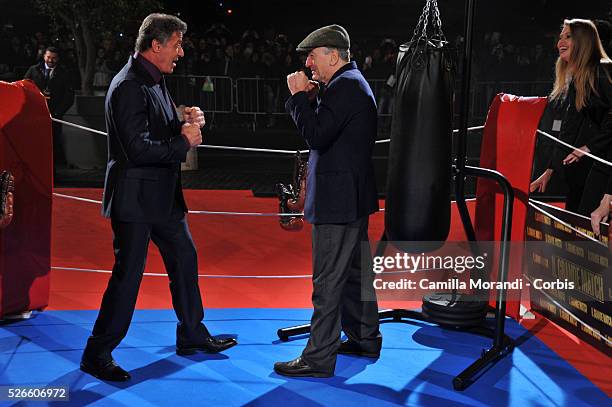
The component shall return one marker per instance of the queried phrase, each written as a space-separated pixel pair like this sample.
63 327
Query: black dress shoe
299 368
110 371
349 347
210 345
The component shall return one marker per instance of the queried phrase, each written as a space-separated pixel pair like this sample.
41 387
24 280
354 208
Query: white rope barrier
277 151
199 275
593 156
259 150
76 198
263 150
592 330
581 233
236 148
245 213
455 131
209 146
470 129
532 202
560 209
80 127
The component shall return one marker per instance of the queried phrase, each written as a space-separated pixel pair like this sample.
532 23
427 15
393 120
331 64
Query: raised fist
192 134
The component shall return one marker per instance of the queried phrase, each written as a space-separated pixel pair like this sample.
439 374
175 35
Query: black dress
598 121
551 154
591 126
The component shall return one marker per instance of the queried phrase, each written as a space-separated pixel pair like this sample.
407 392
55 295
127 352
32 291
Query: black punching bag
419 173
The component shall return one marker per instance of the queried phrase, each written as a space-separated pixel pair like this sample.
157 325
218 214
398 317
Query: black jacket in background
592 126
58 86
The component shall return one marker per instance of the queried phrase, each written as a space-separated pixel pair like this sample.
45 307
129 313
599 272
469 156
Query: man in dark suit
340 129
147 142
55 83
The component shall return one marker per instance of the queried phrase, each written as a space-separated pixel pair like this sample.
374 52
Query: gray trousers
337 291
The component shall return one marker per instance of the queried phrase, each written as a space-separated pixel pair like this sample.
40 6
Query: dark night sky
398 17
377 19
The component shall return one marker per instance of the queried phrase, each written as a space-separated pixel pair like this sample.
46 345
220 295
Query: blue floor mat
416 367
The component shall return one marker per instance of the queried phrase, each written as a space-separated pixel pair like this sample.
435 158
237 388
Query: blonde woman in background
583 81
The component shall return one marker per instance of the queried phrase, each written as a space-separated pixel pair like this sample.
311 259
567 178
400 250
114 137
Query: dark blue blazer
145 149
340 131
58 85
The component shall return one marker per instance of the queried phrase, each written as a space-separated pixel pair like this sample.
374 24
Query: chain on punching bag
419 172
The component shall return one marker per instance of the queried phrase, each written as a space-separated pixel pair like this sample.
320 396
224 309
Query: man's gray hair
158 27
344 54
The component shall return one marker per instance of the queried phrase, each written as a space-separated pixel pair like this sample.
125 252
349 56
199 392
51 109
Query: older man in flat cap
336 115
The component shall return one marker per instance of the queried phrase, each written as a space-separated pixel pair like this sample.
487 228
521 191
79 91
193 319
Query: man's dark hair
158 27
52 49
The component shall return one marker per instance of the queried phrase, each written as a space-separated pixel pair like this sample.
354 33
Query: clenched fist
312 90
297 82
192 134
194 115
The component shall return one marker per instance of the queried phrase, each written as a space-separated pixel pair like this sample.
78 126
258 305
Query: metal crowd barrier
483 92
258 96
250 96
212 93
266 96
261 96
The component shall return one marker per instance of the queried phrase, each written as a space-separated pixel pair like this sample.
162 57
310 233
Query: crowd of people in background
268 54
503 62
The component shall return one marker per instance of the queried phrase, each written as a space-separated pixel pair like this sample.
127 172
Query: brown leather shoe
109 371
299 368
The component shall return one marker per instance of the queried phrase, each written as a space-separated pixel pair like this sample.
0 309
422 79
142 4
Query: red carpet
227 245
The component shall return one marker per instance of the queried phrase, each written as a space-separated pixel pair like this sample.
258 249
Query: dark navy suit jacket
58 85
340 131
145 148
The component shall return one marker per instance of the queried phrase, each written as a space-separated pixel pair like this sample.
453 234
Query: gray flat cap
333 36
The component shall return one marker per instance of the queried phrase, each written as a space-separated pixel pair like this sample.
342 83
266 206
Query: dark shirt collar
350 65
155 73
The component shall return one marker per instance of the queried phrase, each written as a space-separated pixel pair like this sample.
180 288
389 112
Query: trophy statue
292 196
7 187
